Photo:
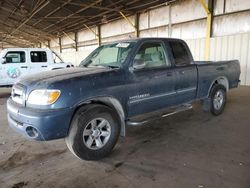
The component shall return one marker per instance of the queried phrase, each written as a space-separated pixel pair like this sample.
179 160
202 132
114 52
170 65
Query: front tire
94 132
218 98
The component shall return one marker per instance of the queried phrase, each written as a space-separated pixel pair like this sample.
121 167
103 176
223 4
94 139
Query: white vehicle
17 62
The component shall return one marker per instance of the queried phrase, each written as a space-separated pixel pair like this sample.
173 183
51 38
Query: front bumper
39 124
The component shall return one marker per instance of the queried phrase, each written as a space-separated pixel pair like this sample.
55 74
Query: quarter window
153 55
180 53
15 57
38 56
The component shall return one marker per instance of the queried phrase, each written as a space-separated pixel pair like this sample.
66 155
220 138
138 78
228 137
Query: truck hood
52 76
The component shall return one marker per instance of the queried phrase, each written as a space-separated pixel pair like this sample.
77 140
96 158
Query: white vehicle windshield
57 58
2 53
110 55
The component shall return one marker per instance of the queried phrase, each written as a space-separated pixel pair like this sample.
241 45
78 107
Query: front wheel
218 99
94 132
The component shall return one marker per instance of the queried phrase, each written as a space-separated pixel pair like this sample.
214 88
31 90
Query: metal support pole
60 44
76 41
134 26
209 28
211 9
137 26
98 35
74 46
48 43
169 21
224 6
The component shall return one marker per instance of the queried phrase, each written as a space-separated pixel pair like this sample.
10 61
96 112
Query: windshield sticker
13 72
122 45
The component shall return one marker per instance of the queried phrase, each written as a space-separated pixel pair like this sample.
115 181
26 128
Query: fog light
32 132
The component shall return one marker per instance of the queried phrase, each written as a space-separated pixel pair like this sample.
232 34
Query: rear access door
38 60
186 71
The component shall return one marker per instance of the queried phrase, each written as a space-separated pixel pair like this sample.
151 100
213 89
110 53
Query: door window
38 56
180 53
153 55
15 57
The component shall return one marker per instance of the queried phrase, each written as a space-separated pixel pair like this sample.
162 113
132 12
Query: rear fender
222 80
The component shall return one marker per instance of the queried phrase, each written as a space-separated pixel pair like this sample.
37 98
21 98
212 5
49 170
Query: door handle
44 66
24 67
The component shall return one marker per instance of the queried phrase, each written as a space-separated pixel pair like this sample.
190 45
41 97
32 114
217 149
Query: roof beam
23 23
15 9
81 22
53 12
95 6
80 10
34 13
59 17
14 43
32 33
10 11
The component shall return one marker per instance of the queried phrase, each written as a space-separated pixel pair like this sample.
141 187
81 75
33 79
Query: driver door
15 66
153 84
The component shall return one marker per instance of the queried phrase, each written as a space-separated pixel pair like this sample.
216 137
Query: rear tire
94 132
218 99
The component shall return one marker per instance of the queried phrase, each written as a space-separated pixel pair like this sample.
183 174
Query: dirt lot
190 149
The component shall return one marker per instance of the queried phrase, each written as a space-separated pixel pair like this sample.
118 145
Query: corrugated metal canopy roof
28 22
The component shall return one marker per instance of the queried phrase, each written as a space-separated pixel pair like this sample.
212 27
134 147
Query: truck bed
208 71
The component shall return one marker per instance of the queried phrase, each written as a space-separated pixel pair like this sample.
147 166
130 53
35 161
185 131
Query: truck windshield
2 53
110 55
57 58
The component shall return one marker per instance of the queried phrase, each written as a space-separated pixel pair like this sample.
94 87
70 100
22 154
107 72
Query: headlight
43 96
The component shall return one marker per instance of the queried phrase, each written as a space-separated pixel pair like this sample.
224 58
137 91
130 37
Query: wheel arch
206 103
222 80
110 102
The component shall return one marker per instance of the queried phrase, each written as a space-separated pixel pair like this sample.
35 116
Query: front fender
111 102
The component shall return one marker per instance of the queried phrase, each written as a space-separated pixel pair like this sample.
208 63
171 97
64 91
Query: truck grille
18 94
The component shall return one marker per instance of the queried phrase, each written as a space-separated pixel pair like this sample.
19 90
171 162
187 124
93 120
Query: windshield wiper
99 65
106 66
112 66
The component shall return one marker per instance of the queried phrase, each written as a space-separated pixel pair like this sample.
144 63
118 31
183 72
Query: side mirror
3 60
139 64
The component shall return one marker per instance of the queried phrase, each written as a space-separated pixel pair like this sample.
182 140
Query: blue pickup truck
122 83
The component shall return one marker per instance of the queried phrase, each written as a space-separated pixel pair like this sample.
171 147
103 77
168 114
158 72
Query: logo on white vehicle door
13 72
